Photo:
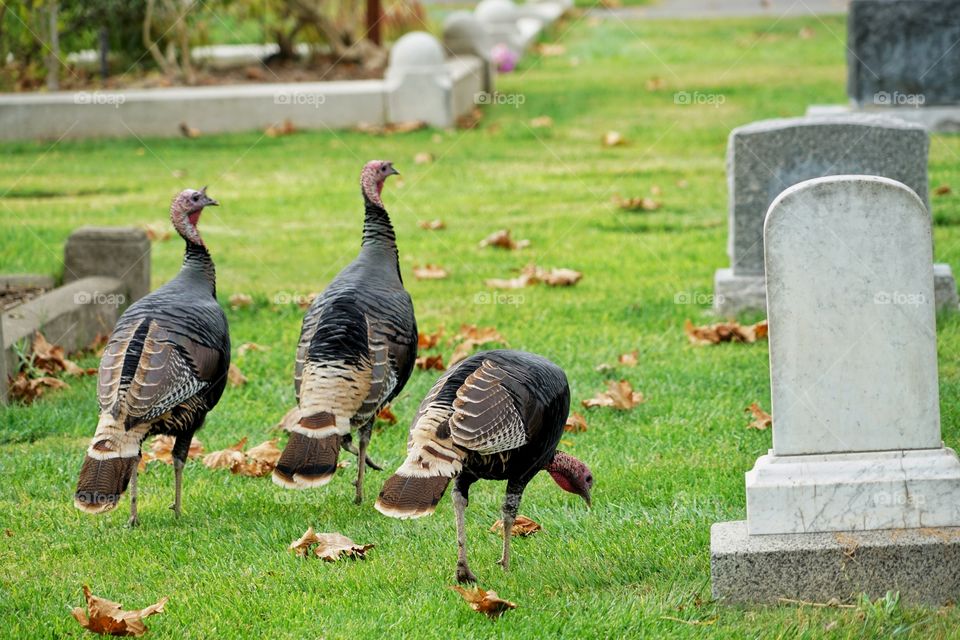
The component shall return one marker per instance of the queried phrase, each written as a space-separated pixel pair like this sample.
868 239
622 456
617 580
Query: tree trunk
53 46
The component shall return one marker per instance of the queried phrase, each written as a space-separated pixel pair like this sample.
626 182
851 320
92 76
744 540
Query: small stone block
922 564
114 252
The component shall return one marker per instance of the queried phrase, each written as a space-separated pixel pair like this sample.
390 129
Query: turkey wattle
357 349
498 415
164 367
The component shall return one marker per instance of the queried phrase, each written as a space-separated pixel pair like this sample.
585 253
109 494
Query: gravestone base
938 119
922 564
733 294
853 491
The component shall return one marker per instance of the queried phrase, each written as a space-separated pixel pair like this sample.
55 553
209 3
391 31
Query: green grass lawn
637 564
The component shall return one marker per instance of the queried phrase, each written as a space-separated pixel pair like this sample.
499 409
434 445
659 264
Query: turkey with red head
164 367
498 415
356 352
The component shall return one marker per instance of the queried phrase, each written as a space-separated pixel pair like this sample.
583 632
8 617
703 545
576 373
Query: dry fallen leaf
329 546
628 359
502 240
655 83
430 272
485 602
235 377
387 415
470 336
157 232
549 49
429 340
26 390
470 120
50 358
188 131
430 362
761 419
284 128
250 346
619 395
575 423
240 301
532 274
806 33
613 139
942 190
161 449
424 157
432 225
522 526
560 277
637 204
267 452
289 419
542 122
252 468
391 128
725 332
226 458
109 618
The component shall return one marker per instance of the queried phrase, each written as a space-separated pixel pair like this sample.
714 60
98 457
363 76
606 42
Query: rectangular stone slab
764 158
853 345
903 52
922 564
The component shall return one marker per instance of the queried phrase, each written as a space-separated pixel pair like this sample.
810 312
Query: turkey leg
178 465
460 506
181 448
364 433
134 520
348 446
511 505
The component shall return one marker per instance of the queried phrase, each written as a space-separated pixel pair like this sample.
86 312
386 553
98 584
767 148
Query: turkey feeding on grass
357 348
164 367
498 415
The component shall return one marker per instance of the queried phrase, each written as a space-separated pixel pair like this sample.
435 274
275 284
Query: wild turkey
357 348
163 369
498 415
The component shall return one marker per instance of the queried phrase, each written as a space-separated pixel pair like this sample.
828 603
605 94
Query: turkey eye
589 479
195 197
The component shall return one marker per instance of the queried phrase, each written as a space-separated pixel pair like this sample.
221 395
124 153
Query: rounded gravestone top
416 49
495 11
463 24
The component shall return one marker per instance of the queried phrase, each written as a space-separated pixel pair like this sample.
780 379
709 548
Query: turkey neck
198 267
379 239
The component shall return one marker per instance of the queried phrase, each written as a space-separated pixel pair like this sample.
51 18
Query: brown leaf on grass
226 458
328 546
289 419
550 49
430 362
502 240
26 390
806 33
391 128
483 601
542 122
761 419
942 190
637 204
50 358
470 120
387 415
522 526
235 377
432 225
619 395
252 468
250 346
278 129
628 359
575 423
613 139
109 618
267 452
430 272
725 332
429 340
656 83
470 336
156 232
424 157
189 132
240 301
161 448
532 274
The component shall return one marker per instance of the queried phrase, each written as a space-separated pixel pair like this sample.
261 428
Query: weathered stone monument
858 493
463 34
115 252
902 60
766 157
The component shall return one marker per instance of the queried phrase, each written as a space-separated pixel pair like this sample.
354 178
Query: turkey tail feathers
411 496
102 483
310 457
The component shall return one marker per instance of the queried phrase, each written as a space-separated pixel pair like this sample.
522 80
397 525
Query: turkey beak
393 171
207 200
586 498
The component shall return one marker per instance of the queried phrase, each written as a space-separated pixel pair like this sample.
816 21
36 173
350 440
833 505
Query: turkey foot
464 574
348 446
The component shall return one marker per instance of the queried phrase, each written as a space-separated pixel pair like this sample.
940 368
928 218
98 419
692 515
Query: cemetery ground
638 562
